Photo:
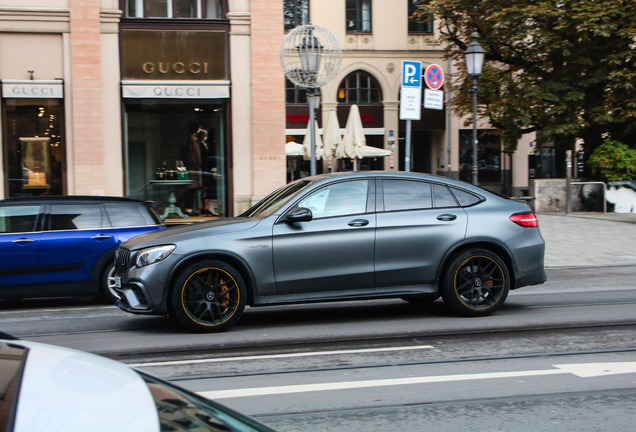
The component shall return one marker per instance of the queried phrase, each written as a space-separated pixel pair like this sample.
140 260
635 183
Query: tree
614 161
562 68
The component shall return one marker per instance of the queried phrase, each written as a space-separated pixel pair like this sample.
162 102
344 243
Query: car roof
65 381
68 198
396 174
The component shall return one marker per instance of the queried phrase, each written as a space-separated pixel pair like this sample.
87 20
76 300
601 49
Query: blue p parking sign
411 73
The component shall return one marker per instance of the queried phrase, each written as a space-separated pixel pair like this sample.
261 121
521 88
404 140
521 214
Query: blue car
64 246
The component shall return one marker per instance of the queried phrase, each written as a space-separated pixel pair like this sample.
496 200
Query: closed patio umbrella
331 137
353 140
307 143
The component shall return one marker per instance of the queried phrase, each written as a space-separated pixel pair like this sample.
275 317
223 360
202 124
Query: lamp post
310 52
474 56
310 56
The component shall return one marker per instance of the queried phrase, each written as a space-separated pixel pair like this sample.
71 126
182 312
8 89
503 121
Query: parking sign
411 73
411 92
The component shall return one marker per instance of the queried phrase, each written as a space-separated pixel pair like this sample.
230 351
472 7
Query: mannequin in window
193 157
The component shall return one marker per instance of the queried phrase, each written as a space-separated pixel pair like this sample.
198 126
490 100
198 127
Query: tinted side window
127 214
464 198
406 195
443 197
75 216
338 199
17 219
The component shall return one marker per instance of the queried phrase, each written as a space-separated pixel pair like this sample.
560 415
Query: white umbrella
369 151
353 140
331 137
294 149
307 142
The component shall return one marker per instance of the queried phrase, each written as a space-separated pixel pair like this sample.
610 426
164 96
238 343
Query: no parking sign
434 77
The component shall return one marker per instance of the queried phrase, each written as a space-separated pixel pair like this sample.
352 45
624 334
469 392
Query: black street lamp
474 56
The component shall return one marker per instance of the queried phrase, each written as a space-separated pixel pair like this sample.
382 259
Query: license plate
117 281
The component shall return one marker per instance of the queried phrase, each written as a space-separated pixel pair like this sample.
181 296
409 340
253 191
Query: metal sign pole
407 147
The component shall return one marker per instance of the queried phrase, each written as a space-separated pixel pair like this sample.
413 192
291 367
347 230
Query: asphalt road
558 357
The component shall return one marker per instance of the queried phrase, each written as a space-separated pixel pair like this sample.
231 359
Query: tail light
525 220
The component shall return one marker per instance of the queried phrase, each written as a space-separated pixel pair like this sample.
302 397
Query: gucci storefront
176 92
34 151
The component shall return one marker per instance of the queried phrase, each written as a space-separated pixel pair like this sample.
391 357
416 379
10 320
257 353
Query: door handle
23 241
446 217
358 223
101 237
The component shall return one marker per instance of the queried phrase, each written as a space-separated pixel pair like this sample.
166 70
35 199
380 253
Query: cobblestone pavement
589 239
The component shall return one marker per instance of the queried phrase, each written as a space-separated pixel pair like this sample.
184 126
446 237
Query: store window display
34 149
176 157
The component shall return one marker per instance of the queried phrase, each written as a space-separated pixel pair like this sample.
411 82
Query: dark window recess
295 13
358 16
359 87
488 157
185 9
294 94
417 25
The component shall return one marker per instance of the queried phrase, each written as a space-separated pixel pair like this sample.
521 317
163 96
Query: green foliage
564 69
615 161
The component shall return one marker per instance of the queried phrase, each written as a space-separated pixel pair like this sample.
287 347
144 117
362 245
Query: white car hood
66 390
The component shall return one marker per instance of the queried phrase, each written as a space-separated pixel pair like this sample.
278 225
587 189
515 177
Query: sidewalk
589 239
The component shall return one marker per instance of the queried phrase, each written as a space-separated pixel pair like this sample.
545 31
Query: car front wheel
208 296
108 283
476 283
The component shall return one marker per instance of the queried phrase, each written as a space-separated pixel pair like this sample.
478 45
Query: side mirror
299 214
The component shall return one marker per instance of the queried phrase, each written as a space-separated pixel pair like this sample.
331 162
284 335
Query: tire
208 296
476 283
108 283
421 299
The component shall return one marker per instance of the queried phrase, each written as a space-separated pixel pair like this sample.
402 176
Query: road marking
582 370
281 356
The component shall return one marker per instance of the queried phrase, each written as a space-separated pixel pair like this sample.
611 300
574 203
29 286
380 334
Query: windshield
276 200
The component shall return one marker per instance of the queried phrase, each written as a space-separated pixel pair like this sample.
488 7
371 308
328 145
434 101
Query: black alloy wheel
208 296
476 283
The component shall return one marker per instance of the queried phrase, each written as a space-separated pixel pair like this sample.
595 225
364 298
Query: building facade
184 102
109 97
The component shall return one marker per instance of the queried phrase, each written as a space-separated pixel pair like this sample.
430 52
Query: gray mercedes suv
336 237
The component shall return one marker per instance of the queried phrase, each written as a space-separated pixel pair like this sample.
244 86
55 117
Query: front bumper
143 289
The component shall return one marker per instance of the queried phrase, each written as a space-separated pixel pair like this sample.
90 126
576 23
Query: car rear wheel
108 283
208 296
476 283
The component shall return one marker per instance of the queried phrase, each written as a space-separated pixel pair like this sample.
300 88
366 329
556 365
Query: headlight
154 254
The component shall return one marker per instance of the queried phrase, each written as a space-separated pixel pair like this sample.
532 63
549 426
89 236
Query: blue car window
17 219
72 217
406 195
